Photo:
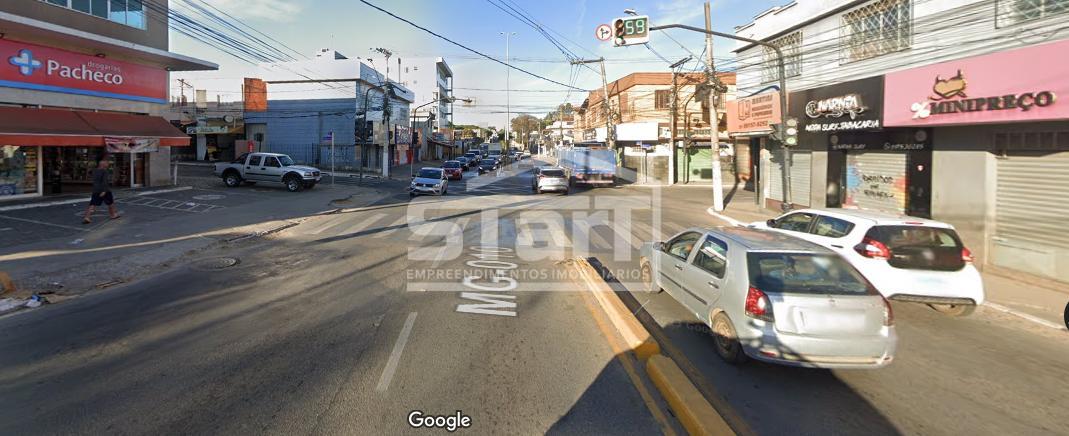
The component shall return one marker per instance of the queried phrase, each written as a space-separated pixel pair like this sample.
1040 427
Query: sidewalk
1006 291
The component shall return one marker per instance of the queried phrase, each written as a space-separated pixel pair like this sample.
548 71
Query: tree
566 108
526 123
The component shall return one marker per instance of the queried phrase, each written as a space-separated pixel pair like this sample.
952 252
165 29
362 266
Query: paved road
349 321
333 326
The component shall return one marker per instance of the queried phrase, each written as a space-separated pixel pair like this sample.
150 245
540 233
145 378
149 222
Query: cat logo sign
950 98
949 88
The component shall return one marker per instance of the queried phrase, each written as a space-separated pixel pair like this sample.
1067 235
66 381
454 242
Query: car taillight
966 255
873 249
888 314
757 305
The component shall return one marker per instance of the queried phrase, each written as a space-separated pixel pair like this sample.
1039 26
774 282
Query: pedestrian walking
101 192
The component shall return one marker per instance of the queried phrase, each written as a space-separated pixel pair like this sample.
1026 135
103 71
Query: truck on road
595 166
270 168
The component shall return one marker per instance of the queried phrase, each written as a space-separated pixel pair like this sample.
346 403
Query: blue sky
353 28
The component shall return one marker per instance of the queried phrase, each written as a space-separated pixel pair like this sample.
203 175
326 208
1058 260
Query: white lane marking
598 240
725 218
397 224
1025 316
6 229
395 355
80 229
363 224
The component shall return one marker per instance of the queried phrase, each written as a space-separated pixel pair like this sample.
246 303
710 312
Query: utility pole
610 138
674 159
560 123
714 116
508 103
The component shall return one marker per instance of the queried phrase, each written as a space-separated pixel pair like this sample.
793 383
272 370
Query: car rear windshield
805 273
451 164
430 174
920 247
553 173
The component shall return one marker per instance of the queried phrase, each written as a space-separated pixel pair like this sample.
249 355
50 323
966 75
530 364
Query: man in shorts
101 192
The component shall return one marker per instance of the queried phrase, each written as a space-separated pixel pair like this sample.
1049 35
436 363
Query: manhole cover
209 197
215 263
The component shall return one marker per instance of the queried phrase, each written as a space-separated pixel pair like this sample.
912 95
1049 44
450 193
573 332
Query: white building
927 108
431 80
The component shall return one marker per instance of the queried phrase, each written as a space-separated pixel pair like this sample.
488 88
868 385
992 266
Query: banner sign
403 135
131 145
40 68
850 106
753 114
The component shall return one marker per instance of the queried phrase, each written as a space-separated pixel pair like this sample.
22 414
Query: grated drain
215 263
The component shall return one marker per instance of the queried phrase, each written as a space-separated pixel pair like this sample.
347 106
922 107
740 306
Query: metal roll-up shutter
742 159
876 181
1032 189
801 166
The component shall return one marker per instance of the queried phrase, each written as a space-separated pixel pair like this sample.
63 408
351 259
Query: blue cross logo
25 61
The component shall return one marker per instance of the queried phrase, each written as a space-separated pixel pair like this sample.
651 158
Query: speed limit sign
603 32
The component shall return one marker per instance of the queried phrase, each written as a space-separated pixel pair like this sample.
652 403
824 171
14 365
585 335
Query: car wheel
954 309
412 194
727 342
646 272
232 180
293 184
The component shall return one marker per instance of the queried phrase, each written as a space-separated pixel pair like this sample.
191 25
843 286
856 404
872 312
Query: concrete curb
83 200
694 411
725 218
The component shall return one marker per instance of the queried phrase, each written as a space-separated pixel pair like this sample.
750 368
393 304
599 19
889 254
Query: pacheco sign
36 67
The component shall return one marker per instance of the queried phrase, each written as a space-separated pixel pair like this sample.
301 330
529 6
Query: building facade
941 109
329 111
84 81
431 81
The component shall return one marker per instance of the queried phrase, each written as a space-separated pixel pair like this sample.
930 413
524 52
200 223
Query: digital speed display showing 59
631 30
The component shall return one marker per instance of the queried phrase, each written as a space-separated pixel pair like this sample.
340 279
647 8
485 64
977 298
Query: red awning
58 127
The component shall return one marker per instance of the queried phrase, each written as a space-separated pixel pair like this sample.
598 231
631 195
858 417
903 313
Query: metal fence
346 157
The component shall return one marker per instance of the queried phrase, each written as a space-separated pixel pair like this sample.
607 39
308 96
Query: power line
466 47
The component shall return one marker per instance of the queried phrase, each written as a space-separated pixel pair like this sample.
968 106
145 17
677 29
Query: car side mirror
771 222
659 246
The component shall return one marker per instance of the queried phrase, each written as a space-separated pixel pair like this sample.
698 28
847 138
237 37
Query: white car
429 181
906 258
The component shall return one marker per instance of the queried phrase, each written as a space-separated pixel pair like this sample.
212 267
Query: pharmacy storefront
62 111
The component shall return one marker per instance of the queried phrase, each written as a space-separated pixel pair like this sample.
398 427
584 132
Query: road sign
603 32
631 30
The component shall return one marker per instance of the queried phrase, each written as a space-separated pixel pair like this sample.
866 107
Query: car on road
489 164
549 179
773 297
907 258
429 181
268 168
465 163
453 170
473 157
526 155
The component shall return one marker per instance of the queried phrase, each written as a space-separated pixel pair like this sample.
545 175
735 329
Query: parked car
549 179
773 297
489 164
429 181
270 168
907 259
464 162
453 170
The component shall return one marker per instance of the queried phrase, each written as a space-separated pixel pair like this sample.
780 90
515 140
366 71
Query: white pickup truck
267 167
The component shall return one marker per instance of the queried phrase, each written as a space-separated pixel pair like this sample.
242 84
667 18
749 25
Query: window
805 273
271 162
832 227
255 161
878 28
795 222
240 159
712 256
791 46
682 245
1010 12
128 12
662 99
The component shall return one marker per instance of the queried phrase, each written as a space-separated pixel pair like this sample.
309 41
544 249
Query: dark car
453 169
489 164
465 163
472 158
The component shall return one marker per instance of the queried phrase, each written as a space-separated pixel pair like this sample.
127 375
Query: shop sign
131 145
887 140
753 114
1009 86
40 68
402 135
207 130
850 106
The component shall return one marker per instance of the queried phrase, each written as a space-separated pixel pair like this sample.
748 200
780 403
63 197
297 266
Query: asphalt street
348 322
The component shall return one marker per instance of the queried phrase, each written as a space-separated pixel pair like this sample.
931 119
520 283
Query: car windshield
805 273
285 161
553 173
451 164
429 173
920 247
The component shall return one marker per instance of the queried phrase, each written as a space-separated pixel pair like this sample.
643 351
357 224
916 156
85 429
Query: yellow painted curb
634 333
693 411
6 285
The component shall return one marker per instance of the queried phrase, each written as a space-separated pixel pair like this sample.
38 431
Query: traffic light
790 133
619 25
631 30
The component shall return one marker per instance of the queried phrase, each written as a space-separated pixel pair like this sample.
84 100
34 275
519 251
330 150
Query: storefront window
18 170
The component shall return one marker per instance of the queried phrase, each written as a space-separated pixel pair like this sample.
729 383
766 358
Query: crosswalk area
169 204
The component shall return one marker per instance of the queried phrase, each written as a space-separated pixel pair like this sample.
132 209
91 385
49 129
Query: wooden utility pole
674 177
714 118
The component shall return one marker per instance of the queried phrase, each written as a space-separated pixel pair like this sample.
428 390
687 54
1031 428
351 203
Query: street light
508 105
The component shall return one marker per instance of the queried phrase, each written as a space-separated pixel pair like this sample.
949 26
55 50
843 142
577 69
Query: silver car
429 181
549 179
774 297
